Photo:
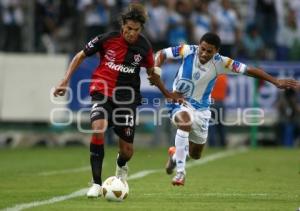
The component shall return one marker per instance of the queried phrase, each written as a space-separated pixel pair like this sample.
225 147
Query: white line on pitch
137 175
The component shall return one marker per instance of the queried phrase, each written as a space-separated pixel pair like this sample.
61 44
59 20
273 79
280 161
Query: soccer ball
115 189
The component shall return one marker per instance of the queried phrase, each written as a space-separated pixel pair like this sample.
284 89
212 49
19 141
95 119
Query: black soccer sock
96 159
121 161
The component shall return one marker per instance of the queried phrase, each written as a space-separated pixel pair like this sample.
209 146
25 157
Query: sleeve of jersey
177 52
149 60
92 46
229 66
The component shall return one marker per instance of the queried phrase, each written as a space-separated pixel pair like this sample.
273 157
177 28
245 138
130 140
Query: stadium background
44 159
38 38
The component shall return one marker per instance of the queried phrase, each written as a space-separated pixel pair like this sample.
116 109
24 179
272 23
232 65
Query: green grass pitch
257 179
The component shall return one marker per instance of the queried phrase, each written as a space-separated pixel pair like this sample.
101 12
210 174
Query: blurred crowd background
251 29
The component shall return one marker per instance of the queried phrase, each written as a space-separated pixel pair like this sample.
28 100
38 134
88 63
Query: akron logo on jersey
119 67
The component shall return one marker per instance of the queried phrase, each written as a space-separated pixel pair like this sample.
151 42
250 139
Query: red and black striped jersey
118 73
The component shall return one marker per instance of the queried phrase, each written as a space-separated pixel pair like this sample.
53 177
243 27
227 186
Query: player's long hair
134 12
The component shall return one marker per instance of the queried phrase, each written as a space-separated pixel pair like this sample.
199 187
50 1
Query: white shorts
200 122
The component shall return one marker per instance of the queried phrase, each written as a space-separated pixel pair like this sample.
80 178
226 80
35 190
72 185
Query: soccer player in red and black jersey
115 88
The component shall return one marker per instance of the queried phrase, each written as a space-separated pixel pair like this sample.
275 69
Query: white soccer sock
187 157
182 148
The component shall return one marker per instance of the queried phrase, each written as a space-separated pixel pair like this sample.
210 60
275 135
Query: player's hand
154 79
288 84
61 89
176 97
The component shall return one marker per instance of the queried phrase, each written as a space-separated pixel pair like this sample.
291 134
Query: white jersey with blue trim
196 80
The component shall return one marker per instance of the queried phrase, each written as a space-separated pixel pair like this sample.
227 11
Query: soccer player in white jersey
195 80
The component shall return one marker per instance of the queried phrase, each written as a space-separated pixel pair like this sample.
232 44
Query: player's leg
124 155
183 121
99 116
96 156
125 128
198 135
195 150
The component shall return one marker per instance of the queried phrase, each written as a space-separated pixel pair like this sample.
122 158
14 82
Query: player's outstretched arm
60 90
279 83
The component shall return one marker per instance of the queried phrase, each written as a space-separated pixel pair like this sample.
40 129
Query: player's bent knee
98 131
99 126
183 121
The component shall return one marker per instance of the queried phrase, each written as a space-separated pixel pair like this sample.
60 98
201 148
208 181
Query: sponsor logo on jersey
91 43
186 87
119 67
236 66
110 55
217 57
128 131
196 75
137 58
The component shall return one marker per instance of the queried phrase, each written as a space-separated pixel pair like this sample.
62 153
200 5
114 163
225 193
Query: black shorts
120 117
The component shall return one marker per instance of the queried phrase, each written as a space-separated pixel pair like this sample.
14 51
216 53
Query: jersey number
186 87
129 120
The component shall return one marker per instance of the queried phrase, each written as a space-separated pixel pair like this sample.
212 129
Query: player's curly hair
211 38
135 12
